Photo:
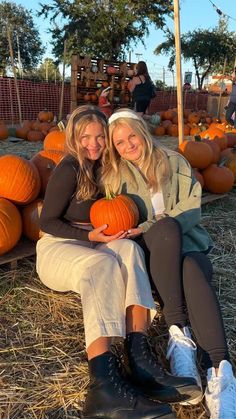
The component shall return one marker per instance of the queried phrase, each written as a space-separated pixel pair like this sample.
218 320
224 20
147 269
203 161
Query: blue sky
193 14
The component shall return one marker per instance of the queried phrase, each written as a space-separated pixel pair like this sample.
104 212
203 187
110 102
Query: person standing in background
141 87
231 106
103 102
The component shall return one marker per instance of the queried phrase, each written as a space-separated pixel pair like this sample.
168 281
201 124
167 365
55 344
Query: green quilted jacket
182 200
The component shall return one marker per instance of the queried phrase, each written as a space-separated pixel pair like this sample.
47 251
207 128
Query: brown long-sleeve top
61 207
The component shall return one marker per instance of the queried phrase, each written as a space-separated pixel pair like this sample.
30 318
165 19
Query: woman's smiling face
92 140
128 143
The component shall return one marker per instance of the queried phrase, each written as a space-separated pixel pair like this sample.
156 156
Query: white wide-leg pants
109 278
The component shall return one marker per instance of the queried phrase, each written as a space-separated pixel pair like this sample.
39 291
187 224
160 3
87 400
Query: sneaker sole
193 402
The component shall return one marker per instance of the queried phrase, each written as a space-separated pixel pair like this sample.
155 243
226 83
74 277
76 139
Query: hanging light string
220 13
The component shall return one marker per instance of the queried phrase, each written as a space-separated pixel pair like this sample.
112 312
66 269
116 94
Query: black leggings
184 281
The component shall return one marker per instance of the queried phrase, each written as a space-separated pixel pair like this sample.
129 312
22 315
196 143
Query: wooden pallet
23 249
211 197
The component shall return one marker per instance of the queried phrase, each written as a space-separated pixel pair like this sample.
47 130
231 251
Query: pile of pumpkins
32 130
22 187
212 155
210 147
194 122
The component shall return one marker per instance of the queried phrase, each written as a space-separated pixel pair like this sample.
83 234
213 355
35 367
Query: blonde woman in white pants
109 274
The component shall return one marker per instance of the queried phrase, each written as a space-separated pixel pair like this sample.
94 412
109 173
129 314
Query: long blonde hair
153 162
79 119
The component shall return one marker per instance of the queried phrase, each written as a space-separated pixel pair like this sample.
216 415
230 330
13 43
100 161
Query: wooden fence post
63 83
14 71
178 72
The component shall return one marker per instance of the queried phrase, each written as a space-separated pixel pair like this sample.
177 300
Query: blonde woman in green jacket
161 183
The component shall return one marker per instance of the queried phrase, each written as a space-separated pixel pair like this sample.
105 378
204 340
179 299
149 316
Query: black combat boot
110 396
146 373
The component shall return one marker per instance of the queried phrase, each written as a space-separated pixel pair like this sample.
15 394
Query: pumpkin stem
197 138
222 161
108 193
61 126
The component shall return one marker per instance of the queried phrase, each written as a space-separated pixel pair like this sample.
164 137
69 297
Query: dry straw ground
43 368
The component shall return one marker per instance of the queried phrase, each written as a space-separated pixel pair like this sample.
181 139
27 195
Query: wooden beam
73 83
223 76
23 249
63 83
179 72
14 71
211 197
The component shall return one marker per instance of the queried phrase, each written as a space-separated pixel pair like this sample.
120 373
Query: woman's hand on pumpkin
134 232
97 235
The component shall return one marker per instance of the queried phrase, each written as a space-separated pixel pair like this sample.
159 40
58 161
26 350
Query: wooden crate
89 74
23 249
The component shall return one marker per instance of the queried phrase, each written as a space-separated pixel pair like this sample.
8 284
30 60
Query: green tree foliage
160 85
102 28
47 71
206 48
25 39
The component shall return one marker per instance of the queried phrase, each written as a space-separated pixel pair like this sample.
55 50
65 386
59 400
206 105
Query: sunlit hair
153 157
87 186
142 70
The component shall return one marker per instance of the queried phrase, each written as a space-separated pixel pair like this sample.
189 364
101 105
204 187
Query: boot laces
122 387
150 356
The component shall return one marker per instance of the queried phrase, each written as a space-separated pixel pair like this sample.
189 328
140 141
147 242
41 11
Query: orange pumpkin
195 130
126 98
34 136
173 130
55 140
19 180
231 139
199 177
45 116
169 114
218 179
3 132
197 153
166 123
46 161
93 97
221 141
193 118
87 97
30 218
45 126
120 213
27 123
159 130
10 225
231 160
111 70
215 149
22 132
186 129
215 134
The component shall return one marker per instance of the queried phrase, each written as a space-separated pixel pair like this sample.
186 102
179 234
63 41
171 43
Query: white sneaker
220 393
182 355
